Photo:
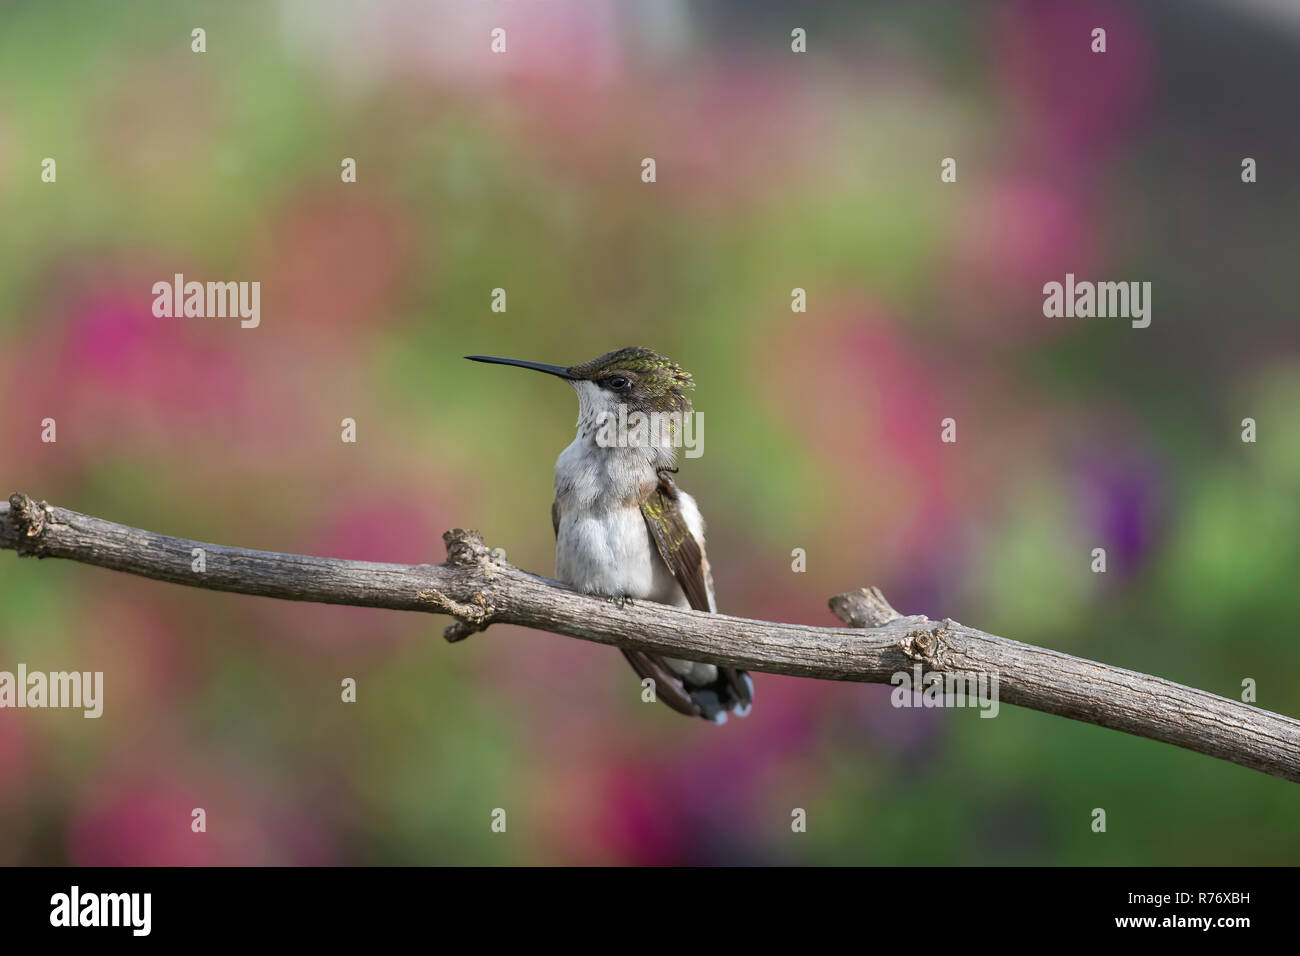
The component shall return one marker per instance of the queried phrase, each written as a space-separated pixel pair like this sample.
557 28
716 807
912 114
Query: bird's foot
620 601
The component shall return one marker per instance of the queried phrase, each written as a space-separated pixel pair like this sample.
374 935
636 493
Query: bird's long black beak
559 370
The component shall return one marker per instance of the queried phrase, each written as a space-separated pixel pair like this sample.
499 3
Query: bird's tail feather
717 692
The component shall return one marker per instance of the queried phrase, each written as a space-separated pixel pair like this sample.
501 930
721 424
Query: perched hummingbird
623 529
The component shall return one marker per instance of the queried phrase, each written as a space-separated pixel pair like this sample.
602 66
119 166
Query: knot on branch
927 643
28 517
465 548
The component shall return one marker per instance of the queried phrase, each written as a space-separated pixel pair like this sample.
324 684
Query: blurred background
522 171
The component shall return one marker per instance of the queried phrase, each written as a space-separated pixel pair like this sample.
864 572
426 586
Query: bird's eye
618 383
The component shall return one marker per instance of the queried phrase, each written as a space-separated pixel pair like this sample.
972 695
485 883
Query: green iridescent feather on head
658 381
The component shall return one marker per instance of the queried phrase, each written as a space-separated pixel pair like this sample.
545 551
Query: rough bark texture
478 587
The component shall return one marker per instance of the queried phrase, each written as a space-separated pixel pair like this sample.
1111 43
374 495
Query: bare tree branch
479 588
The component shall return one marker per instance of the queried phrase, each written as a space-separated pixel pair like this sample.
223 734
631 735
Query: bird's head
638 378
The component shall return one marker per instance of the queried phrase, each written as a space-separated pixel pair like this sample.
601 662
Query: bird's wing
685 559
677 546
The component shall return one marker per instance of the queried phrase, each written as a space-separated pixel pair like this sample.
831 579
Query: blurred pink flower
104 367
385 525
1074 104
1041 216
1020 231
1016 234
143 817
867 405
145 821
334 266
715 144
135 632
379 523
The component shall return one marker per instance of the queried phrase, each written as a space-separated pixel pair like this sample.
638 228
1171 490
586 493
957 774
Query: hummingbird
623 529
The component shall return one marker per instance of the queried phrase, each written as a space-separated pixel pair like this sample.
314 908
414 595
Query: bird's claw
620 601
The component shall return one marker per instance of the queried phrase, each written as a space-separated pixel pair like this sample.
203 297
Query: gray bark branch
478 588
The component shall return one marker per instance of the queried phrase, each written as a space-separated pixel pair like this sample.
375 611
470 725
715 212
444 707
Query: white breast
610 553
603 545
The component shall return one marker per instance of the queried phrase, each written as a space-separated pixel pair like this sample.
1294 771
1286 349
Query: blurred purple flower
1120 498
910 734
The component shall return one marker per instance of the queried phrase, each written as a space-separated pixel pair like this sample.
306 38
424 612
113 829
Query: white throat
595 469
